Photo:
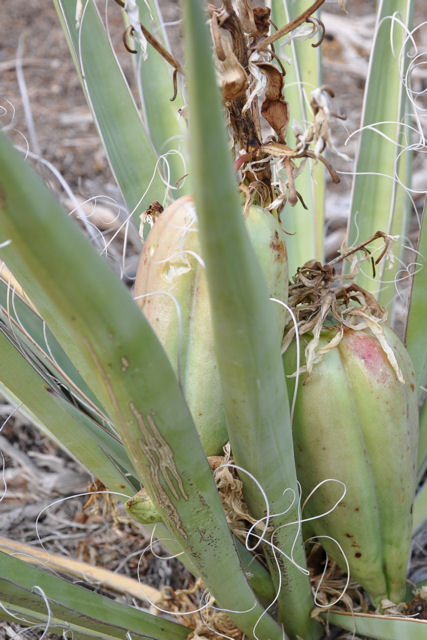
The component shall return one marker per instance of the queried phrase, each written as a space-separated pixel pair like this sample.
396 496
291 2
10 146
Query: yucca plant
150 397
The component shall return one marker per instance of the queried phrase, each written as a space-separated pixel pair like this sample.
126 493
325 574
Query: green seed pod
171 289
356 422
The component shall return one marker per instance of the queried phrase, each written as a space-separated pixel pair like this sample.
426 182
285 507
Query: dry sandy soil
41 98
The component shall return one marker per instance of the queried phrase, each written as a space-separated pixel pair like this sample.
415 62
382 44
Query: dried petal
232 77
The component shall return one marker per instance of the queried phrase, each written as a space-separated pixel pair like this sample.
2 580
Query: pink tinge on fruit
368 349
356 422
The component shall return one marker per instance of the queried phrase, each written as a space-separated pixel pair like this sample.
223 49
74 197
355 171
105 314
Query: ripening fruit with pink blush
365 347
356 422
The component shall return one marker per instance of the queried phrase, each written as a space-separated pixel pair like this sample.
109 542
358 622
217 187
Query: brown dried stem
293 24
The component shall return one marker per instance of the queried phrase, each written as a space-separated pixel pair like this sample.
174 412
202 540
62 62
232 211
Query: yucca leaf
256 574
130 152
400 228
420 510
303 75
27 328
31 595
164 125
376 201
87 573
247 343
416 335
383 627
97 449
112 345
37 369
422 443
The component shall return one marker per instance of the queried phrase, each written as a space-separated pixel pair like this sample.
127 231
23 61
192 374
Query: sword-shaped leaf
377 201
24 326
130 152
420 510
247 341
416 335
382 627
156 82
422 443
114 348
34 597
303 75
97 449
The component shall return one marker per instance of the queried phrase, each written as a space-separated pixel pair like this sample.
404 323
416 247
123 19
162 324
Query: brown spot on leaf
279 248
